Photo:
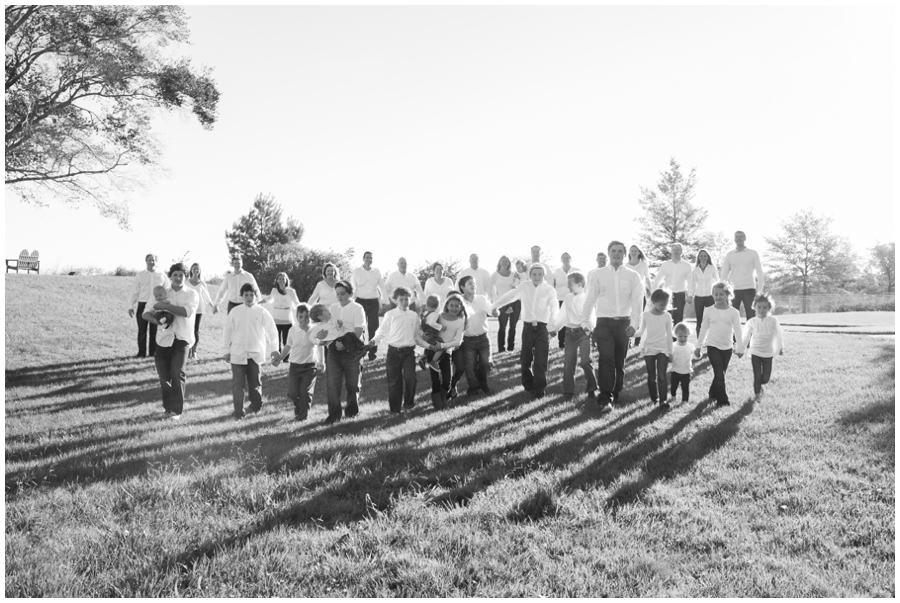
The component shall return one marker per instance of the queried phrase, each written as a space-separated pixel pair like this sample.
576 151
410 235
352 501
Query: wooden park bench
25 261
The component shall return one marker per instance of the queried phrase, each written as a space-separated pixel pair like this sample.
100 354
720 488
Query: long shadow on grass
878 417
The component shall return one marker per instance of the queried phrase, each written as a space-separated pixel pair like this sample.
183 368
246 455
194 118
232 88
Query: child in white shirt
763 335
656 344
681 362
431 329
720 322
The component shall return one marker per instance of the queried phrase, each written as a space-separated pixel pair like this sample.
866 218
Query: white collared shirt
303 349
250 333
183 326
703 280
400 328
396 279
677 276
739 266
367 284
500 285
477 311
352 316
323 294
203 291
572 313
482 279
442 290
561 281
616 293
142 287
539 304
231 287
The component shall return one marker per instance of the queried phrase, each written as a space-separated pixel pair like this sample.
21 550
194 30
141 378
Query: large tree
807 257
82 83
669 216
258 230
884 263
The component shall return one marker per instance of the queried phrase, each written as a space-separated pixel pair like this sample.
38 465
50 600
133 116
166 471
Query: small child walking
431 329
656 344
764 339
720 322
306 363
681 362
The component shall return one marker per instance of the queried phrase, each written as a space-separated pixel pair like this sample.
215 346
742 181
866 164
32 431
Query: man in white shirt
369 289
482 277
616 293
539 308
561 284
536 259
233 284
250 338
172 344
141 293
676 274
738 267
342 365
401 278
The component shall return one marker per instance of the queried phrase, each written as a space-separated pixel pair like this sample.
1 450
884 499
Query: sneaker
664 404
252 411
433 366
605 408
175 416
410 405
487 391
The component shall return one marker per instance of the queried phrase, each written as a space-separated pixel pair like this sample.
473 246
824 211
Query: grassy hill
498 496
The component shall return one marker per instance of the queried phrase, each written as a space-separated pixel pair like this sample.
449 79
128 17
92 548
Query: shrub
866 306
123 271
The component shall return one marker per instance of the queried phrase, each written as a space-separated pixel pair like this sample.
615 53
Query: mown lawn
498 496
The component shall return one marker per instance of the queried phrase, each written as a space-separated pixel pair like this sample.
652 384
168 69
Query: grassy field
497 496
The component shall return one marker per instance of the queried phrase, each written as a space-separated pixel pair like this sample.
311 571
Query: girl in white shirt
656 323
703 277
196 283
453 320
638 263
324 291
763 334
720 322
502 281
283 299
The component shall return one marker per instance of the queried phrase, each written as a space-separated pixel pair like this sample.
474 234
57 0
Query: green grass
792 497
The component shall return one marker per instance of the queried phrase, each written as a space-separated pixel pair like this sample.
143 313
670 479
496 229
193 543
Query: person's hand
215 309
443 328
586 330
276 358
509 311
320 370
697 353
322 334
739 354
630 331
495 313
339 323
339 346
689 299
227 357
131 312
669 356
552 334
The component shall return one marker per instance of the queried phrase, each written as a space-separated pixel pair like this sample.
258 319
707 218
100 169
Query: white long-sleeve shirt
203 291
367 284
323 294
397 279
616 293
142 287
442 290
452 336
764 336
183 326
400 328
739 266
655 333
282 306
677 276
561 281
230 288
539 304
719 326
250 333
482 279
573 314
500 285
477 311
703 280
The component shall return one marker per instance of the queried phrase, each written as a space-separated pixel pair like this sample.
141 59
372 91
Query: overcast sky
432 132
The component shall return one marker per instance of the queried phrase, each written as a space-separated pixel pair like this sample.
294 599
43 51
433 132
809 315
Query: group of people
339 326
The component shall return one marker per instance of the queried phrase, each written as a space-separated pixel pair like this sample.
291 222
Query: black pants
283 331
612 347
249 374
561 336
746 296
458 362
197 318
440 382
142 331
637 340
508 320
685 381
401 377
301 385
677 311
371 308
533 358
701 304
656 375
476 351
172 380
719 360
762 370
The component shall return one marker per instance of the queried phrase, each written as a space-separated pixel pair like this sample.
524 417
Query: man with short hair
342 365
536 259
616 293
739 267
233 284
561 283
676 275
142 286
368 290
401 278
482 277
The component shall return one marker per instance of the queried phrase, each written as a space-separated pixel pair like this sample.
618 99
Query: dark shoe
487 391
473 391
331 420
605 407
654 401
410 405
452 393
615 399
236 416
251 411
140 355
500 350
723 403
350 417
568 397
299 418
591 397
510 348
371 355
537 395
664 405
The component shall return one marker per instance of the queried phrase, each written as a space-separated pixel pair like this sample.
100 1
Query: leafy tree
884 262
82 83
717 243
670 217
425 270
254 233
807 257
302 265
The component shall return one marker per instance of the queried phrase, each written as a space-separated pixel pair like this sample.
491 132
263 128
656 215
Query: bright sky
432 132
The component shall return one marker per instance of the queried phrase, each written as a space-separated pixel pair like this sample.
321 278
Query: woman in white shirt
324 291
638 263
196 283
454 319
704 276
503 281
439 285
283 300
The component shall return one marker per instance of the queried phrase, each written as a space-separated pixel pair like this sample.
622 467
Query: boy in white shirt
682 360
305 363
578 321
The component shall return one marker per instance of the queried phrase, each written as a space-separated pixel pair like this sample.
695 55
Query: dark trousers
677 311
401 377
577 341
283 331
440 382
249 373
762 370
656 375
685 381
458 363
371 308
477 356
719 360
232 305
172 380
612 347
533 358
301 385
142 331
197 318
343 370
510 320
746 296
637 340
561 335
701 304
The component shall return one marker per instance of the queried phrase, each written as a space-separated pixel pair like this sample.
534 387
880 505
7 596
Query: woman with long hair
638 263
502 281
195 282
324 291
705 275
455 320
439 285
284 300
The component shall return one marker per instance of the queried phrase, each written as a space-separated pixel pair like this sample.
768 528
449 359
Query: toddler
681 362
163 317
762 334
324 331
431 329
720 322
656 343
